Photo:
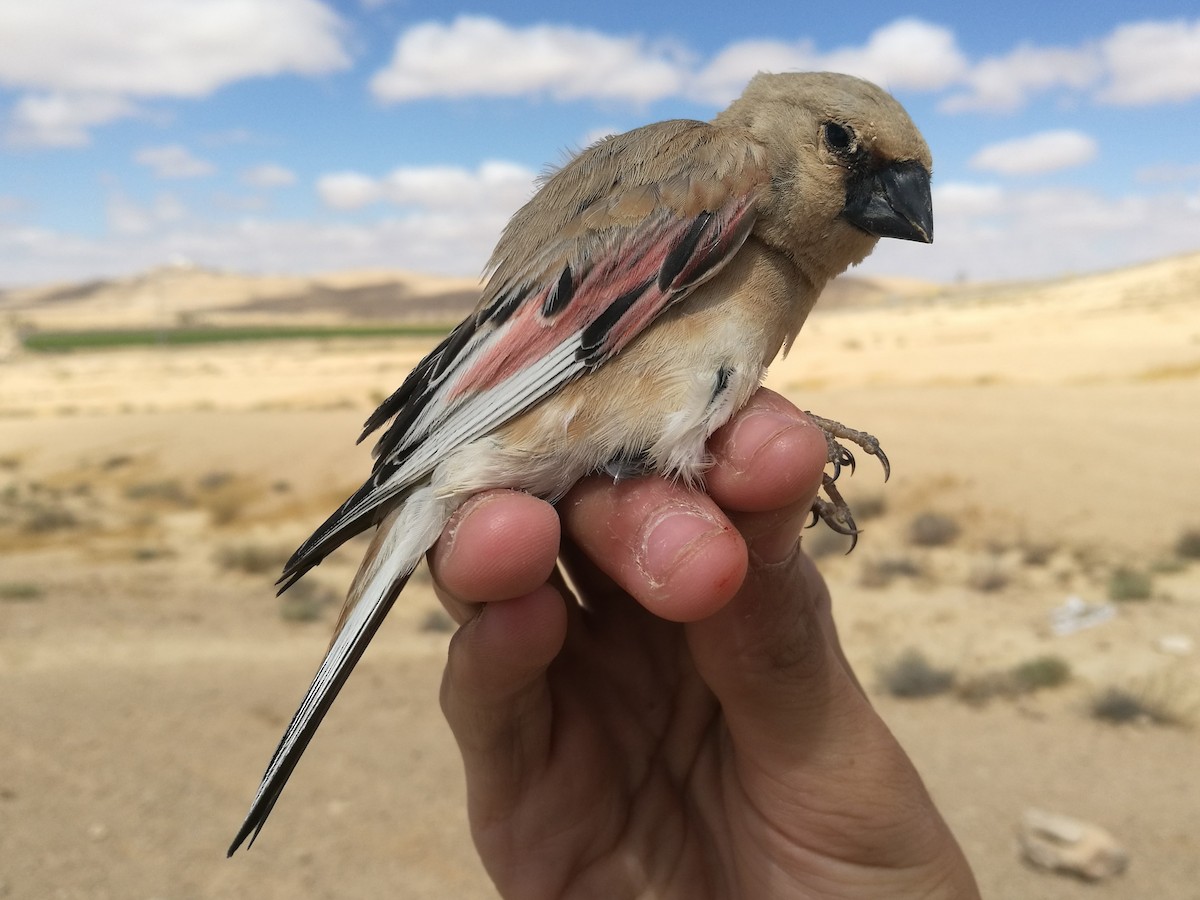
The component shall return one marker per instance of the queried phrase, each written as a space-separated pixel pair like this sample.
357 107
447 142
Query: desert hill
184 294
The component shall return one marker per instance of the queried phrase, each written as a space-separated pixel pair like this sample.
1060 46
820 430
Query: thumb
771 655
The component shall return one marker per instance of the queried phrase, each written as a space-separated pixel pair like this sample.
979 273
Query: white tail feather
401 539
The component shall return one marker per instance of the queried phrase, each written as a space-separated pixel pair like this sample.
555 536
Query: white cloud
1152 62
966 198
62 119
594 135
481 56
81 63
173 161
907 54
129 218
1045 232
268 175
495 185
12 206
494 190
1136 64
1005 83
158 48
1047 151
1167 173
348 190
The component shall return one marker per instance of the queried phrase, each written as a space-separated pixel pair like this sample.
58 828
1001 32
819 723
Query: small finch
632 308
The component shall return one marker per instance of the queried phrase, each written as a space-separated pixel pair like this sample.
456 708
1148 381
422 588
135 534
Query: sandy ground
146 678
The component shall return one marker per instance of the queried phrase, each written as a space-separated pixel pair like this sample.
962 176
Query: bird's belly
651 413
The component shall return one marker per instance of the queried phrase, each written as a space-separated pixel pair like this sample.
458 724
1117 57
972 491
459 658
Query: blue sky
302 135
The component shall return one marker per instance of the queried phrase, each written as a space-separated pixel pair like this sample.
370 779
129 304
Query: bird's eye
839 138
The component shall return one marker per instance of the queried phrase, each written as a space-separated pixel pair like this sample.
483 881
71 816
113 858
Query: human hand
683 722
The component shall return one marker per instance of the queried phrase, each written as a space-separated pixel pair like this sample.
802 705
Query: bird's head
848 167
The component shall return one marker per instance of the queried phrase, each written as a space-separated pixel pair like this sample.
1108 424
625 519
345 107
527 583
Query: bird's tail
401 539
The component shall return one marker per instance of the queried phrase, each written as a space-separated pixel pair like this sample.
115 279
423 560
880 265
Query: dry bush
1149 703
255 559
306 601
988 579
164 491
980 689
872 506
149 553
932 529
211 481
1027 677
911 675
1047 671
227 497
1037 554
879 573
1127 585
437 621
822 542
20 591
1188 545
46 517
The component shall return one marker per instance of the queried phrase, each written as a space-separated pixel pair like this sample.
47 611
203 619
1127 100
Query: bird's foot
832 509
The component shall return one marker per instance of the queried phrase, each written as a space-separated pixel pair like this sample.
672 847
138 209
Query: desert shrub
822 542
166 491
42 518
911 675
1024 678
872 506
306 601
932 530
1120 706
20 591
1188 545
1168 565
1126 585
211 481
437 621
987 579
1037 554
878 573
980 689
255 559
1047 671
148 553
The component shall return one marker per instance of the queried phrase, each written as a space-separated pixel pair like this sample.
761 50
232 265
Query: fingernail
450 532
754 431
673 536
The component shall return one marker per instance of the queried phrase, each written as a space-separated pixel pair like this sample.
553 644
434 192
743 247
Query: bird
631 308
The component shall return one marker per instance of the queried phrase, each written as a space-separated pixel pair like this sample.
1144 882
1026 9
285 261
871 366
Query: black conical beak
892 202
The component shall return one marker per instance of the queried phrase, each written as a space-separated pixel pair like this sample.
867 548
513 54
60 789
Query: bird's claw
833 509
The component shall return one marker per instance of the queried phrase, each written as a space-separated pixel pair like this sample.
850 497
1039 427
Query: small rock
1070 846
97 831
1175 644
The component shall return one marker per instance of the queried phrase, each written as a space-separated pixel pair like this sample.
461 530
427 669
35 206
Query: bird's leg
833 509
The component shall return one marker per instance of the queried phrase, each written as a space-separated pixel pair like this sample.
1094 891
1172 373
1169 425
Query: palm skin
689 728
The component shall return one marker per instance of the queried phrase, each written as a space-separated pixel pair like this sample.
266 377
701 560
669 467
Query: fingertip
498 545
768 457
704 581
669 547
